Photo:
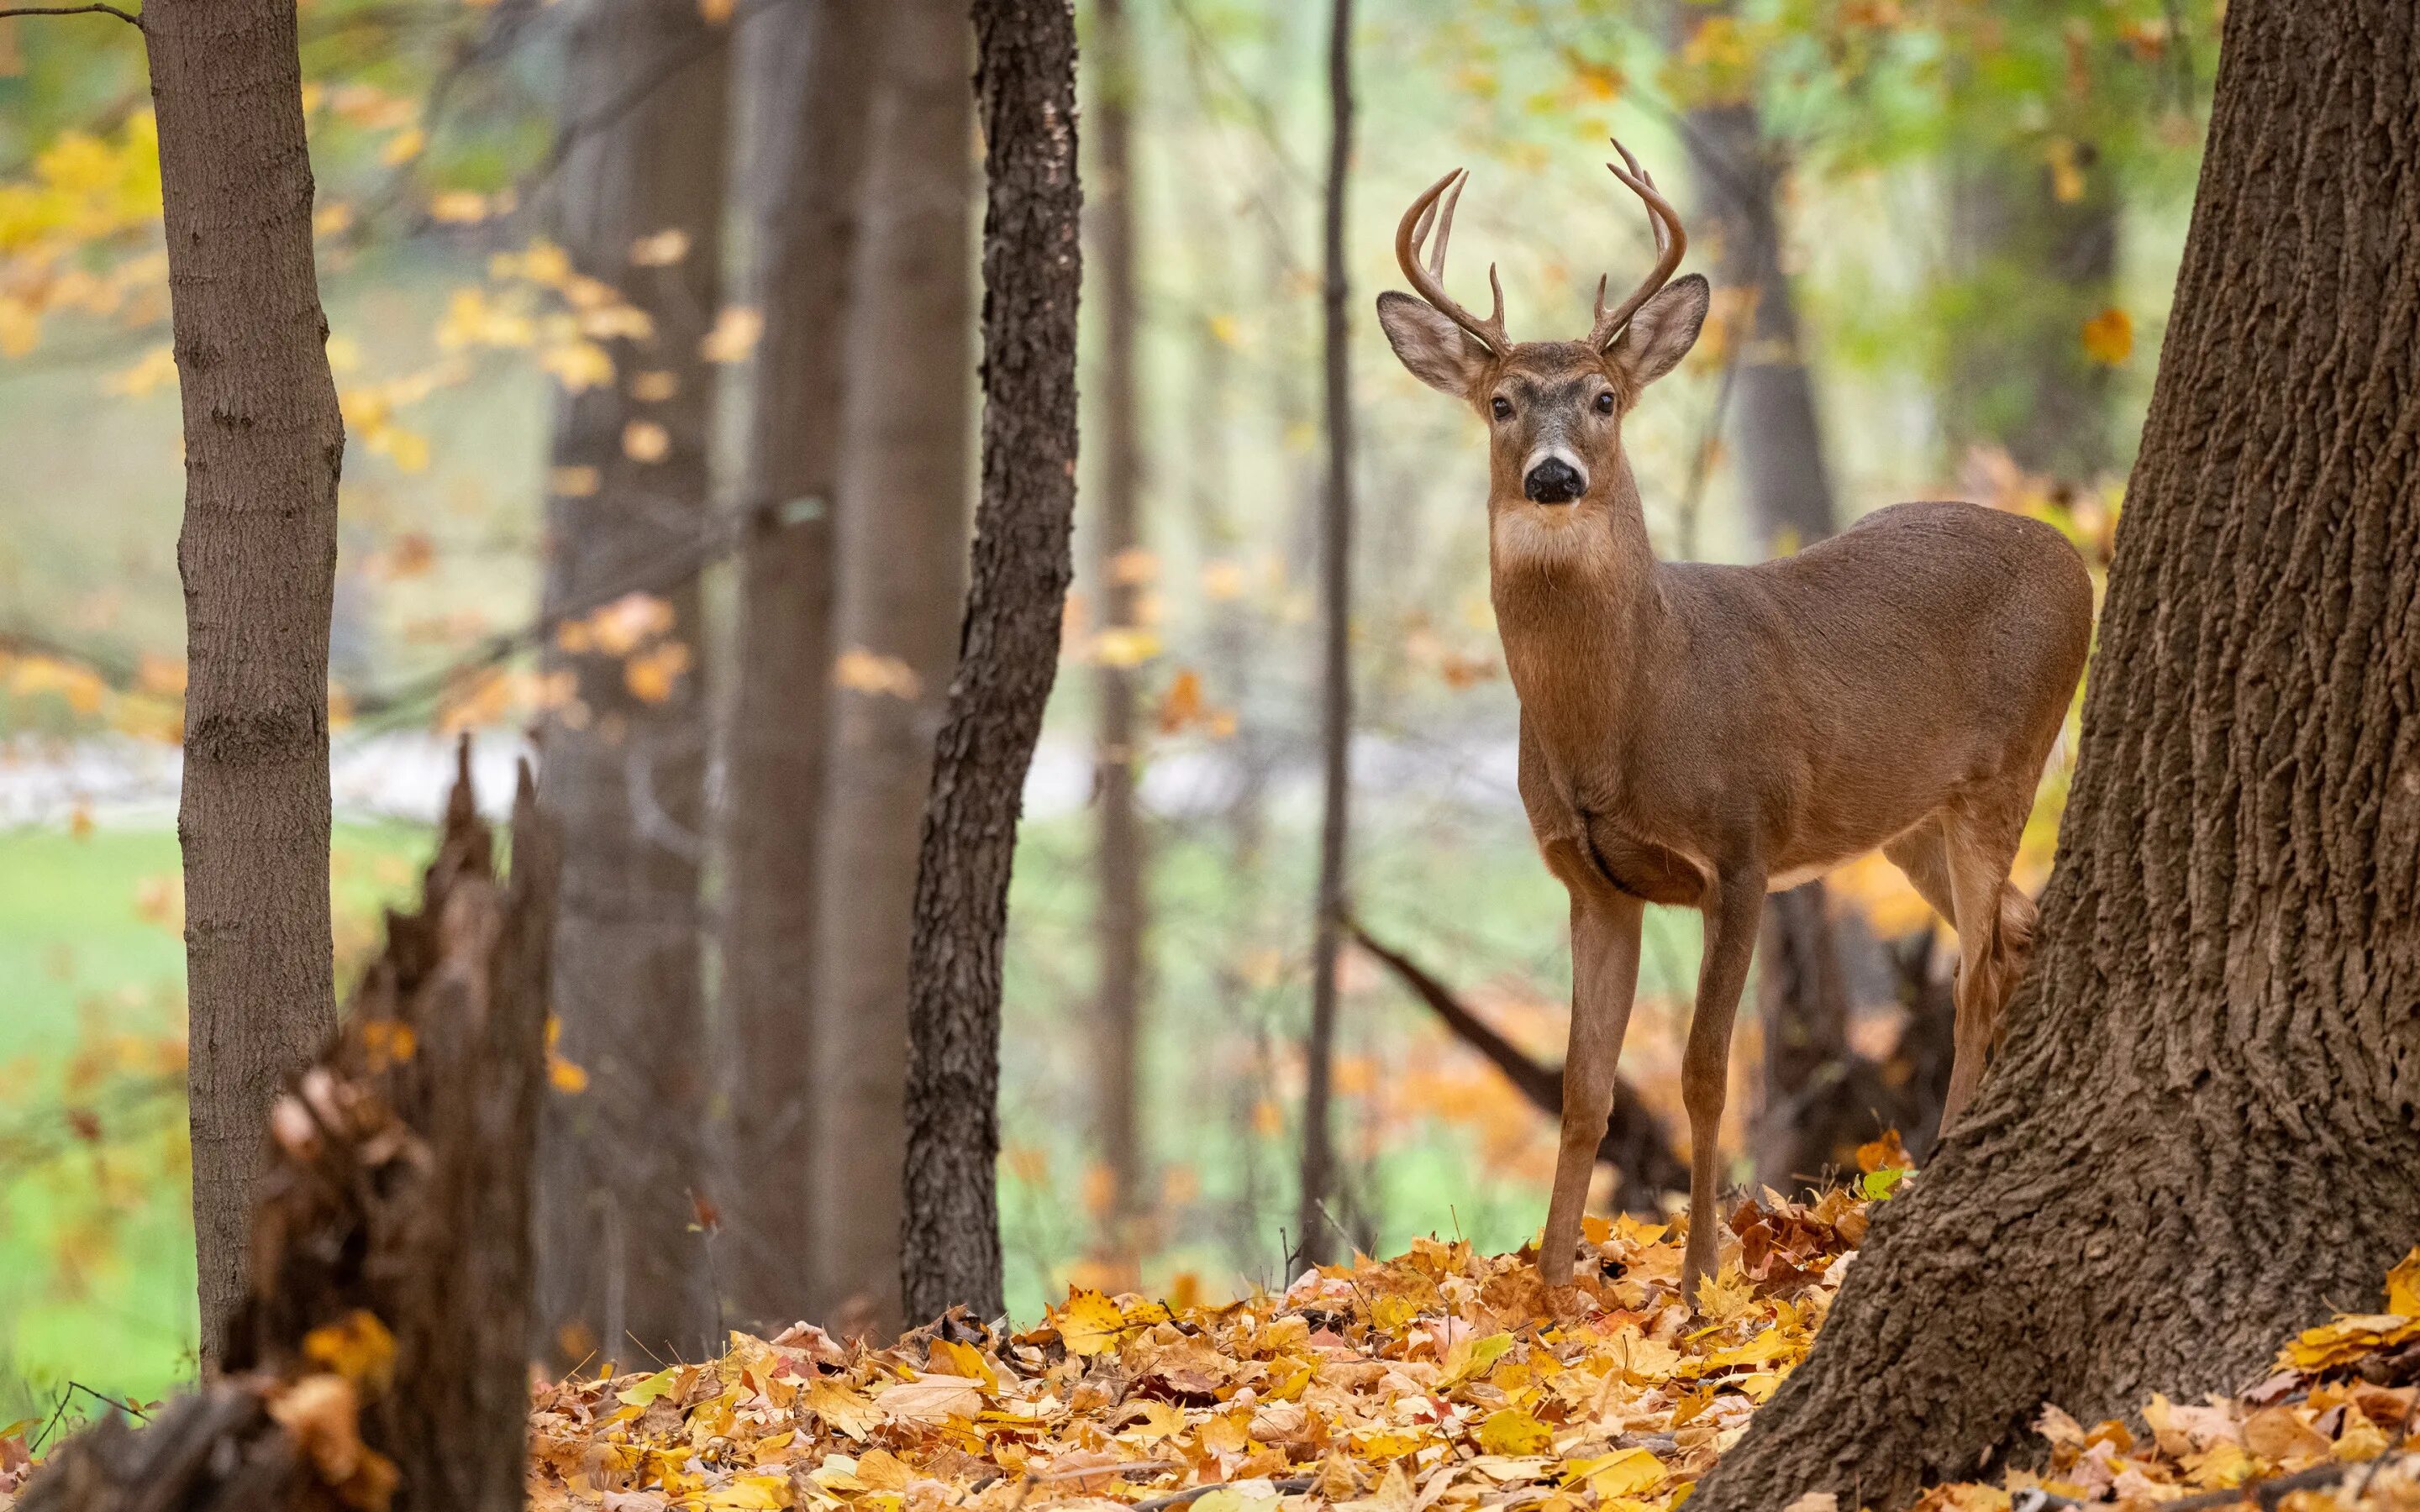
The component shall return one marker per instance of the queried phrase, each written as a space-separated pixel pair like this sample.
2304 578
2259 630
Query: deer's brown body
1698 735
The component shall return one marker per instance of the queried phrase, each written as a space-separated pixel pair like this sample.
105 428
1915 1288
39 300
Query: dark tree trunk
1122 909
263 445
1784 482
2200 1135
1821 1099
806 88
2033 269
1312 1234
902 554
1032 262
624 774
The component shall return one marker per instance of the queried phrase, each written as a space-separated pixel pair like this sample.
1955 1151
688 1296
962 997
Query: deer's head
1553 408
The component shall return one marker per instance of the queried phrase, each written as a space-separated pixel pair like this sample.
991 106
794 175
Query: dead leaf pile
1440 1378
2342 1394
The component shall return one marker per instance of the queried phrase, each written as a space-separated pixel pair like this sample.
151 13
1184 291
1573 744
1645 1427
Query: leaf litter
1441 1379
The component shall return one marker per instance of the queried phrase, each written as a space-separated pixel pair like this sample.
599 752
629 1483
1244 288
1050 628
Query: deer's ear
1663 331
1438 353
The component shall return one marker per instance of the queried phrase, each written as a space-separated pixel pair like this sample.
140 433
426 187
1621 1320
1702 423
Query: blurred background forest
1952 224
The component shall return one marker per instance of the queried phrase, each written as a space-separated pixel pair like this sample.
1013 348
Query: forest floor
1442 1377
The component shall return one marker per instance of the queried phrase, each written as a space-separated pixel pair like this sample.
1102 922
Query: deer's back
1929 646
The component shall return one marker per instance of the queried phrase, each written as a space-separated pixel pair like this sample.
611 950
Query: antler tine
1668 250
1663 238
1429 282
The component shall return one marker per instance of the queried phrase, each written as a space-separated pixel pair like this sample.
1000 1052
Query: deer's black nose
1554 481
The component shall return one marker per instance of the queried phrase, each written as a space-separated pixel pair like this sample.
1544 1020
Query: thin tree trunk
624 774
1121 859
901 548
263 445
1313 1237
2200 1136
807 90
1009 656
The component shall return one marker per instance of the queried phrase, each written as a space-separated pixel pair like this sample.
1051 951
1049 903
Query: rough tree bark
1313 1232
1120 860
263 445
901 548
625 775
2200 1136
806 88
1032 262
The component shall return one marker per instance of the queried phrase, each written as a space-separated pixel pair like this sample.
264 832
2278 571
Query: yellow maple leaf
1091 1323
1512 1431
2403 1285
356 1347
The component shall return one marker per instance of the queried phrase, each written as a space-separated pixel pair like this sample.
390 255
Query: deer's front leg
1604 981
1732 914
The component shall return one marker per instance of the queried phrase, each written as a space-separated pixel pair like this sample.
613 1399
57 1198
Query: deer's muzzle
1554 481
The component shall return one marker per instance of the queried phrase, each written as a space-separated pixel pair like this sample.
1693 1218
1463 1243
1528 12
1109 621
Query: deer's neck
1581 612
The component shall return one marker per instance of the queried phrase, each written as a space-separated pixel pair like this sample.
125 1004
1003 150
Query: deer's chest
1587 828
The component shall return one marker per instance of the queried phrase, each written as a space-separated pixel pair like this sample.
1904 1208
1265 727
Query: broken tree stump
380 1358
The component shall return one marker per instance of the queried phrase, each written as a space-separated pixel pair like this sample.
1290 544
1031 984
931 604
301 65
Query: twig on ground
2269 1493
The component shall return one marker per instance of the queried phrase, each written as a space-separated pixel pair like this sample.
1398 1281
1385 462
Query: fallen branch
1633 1143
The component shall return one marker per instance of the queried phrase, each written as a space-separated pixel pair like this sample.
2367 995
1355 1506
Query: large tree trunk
807 88
263 443
623 773
1032 262
902 548
1121 908
1312 1236
2200 1136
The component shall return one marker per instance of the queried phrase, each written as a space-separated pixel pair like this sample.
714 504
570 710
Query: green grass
96 1240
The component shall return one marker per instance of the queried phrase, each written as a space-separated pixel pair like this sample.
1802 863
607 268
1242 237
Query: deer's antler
1672 240
1429 282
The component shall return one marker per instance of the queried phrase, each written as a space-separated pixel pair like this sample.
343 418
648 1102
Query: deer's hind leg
1605 924
1994 923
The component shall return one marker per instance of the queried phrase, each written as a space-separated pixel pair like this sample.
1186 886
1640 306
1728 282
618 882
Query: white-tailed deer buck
1698 735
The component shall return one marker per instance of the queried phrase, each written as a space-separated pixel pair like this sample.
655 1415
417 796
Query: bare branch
127 16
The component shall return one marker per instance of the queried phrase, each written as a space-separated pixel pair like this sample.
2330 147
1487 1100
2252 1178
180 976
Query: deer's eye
1503 408
1605 403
